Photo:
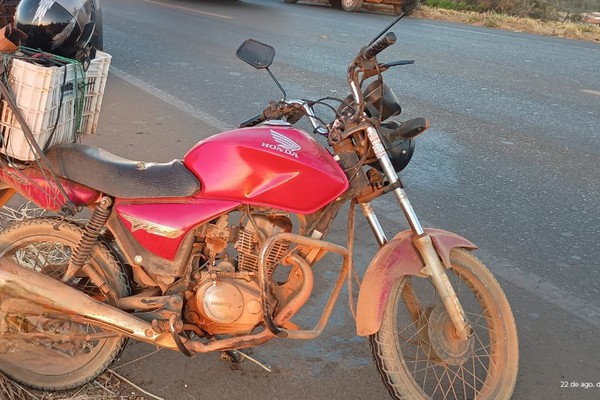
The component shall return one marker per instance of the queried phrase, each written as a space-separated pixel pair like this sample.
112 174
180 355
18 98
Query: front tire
45 245
416 353
351 5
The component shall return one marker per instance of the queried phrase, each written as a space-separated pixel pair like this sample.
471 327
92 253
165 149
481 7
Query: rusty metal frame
295 304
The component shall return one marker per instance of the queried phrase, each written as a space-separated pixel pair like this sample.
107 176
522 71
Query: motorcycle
217 251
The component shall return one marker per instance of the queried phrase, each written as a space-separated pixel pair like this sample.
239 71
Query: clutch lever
382 67
388 65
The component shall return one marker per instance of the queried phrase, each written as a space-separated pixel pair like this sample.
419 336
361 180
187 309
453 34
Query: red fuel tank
276 166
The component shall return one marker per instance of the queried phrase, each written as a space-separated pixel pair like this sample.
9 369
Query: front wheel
419 357
351 5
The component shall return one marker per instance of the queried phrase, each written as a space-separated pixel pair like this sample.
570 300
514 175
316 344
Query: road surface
511 162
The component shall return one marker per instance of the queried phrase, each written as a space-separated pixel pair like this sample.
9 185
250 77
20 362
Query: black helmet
62 27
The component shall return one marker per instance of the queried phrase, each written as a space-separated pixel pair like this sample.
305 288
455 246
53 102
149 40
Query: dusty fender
395 259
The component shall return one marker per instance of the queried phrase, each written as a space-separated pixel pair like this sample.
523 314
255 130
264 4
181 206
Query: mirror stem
277 83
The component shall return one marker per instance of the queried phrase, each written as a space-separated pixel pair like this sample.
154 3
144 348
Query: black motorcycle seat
119 177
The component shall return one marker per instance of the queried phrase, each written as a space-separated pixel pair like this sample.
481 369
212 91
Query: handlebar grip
371 51
253 121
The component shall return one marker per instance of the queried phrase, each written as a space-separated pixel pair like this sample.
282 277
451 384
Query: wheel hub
444 341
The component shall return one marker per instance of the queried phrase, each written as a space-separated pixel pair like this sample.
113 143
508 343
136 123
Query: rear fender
396 259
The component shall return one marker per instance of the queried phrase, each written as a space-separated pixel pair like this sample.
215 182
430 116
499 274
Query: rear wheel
417 353
351 5
336 3
41 352
290 1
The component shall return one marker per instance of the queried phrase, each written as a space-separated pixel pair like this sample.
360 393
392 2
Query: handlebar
253 121
287 108
363 62
371 51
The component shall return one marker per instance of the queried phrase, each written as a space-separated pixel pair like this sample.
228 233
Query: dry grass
105 387
26 210
569 30
108 386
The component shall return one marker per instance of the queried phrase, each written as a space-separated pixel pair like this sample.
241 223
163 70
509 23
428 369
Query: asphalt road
511 162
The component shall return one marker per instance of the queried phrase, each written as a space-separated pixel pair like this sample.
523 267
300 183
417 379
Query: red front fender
395 259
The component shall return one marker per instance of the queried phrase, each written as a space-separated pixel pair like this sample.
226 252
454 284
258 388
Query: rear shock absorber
83 250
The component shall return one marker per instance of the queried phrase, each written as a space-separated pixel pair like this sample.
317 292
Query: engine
226 297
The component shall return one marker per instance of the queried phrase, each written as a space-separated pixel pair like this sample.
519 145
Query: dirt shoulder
568 30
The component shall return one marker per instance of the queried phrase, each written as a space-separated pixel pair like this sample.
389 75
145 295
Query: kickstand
236 356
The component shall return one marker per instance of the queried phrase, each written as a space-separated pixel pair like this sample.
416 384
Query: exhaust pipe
19 282
41 290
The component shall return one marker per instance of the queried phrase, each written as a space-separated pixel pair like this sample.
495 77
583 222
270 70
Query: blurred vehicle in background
400 6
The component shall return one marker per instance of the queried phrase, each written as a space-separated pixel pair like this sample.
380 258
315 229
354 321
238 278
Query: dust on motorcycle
219 251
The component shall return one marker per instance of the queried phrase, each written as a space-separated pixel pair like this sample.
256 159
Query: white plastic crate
38 92
96 77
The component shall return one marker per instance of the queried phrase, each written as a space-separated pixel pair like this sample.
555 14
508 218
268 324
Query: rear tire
45 245
351 5
336 4
416 353
290 1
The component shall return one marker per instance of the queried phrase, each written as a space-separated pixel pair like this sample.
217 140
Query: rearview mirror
257 54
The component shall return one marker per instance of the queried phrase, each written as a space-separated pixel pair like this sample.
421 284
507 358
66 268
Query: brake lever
391 64
382 67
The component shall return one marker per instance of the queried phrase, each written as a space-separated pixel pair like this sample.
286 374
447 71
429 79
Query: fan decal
283 144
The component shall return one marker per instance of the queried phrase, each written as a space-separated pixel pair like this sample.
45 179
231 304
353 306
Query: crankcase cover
223 302
226 306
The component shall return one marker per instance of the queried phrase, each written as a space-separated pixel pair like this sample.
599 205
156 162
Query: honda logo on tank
283 144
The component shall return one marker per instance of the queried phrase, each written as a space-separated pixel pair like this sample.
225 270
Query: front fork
422 241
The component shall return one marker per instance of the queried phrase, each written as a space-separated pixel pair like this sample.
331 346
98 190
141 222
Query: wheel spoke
438 380
475 322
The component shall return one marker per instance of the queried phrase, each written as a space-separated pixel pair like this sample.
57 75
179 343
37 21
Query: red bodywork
37 186
161 227
274 166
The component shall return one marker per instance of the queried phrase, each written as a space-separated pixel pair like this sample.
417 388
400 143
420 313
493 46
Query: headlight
400 151
378 98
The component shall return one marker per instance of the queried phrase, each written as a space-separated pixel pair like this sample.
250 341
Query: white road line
549 292
192 10
172 100
594 92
